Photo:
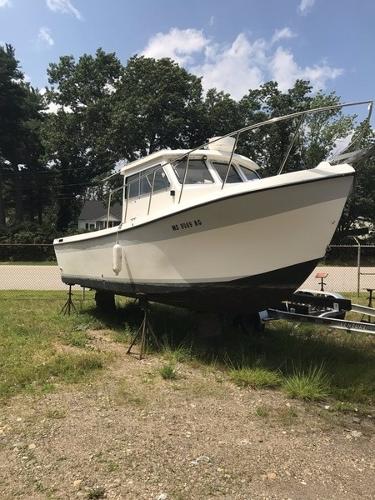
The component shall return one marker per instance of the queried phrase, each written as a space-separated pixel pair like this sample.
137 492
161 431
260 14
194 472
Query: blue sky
234 45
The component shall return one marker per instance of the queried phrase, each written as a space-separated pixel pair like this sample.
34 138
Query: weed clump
168 372
255 377
76 339
96 493
310 385
262 411
177 354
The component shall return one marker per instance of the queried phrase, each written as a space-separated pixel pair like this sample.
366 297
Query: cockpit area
168 177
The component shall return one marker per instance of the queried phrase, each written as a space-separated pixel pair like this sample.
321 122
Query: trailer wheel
105 301
251 324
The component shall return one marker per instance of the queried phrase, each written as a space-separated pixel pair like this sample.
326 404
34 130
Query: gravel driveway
132 435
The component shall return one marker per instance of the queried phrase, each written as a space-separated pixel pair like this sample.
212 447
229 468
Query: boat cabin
161 180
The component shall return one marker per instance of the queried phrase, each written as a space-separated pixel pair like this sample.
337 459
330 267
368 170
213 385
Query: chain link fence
349 268
29 266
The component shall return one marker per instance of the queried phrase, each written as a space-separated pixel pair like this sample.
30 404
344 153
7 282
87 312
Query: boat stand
69 304
145 332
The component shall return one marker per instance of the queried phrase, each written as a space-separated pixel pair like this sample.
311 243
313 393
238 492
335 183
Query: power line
50 172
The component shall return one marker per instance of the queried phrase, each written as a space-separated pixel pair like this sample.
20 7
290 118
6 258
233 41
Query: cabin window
250 175
132 190
147 178
141 183
233 175
197 173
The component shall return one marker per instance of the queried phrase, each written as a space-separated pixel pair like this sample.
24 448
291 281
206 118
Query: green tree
322 130
158 105
77 137
268 145
316 133
20 118
360 208
222 114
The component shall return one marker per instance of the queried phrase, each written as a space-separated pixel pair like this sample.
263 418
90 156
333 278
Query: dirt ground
130 434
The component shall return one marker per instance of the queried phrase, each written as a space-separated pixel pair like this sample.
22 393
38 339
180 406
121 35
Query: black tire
251 324
105 301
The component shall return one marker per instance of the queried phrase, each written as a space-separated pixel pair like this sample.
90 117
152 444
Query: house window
92 226
87 225
197 172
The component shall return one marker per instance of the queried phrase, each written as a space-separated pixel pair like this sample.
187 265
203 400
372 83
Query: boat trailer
323 308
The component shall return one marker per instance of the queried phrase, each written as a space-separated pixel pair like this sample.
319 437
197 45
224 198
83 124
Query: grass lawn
35 340
40 349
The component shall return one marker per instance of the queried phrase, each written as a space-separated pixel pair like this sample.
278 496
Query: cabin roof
167 155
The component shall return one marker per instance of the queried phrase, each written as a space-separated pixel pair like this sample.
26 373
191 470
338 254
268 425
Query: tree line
105 111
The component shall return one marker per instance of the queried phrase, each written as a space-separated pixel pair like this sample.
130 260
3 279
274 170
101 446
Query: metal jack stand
69 305
145 331
369 305
321 276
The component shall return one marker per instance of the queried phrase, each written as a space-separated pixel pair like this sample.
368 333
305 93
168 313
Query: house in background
93 215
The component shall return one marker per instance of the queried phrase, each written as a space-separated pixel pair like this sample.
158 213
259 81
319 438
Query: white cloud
237 67
305 6
5 3
53 107
63 6
45 38
234 69
282 34
286 71
176 44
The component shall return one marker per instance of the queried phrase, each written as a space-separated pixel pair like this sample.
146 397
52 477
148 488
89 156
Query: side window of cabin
153 176
161 180
140 184
197 173
222 168
132 189
250 175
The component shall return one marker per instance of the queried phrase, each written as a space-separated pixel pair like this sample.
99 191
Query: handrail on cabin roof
270 121
237 133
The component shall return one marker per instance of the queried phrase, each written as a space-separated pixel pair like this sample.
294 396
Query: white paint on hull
243 236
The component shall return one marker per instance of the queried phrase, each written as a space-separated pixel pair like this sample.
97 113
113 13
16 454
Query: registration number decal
186 224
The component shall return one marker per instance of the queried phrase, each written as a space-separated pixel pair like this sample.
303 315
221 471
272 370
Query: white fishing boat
202 229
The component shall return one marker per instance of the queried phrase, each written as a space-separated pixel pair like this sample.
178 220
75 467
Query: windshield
250 175
197 172
222 168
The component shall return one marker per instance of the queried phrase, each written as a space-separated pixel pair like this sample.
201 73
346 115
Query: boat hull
244 295
241 253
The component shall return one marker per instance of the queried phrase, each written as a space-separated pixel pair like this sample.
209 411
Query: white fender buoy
117 258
